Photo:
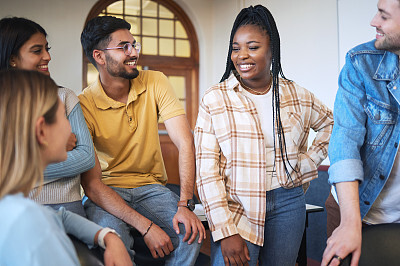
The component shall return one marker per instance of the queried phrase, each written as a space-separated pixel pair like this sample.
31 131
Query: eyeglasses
127 47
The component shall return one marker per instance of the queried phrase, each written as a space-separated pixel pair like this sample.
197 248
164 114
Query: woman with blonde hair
34 133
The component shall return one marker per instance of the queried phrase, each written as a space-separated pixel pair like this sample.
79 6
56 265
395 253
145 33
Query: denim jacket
366 132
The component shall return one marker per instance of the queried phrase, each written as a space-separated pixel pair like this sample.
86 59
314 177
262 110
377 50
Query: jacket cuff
346 171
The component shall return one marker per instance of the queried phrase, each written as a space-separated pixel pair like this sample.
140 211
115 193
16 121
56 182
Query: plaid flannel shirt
231 159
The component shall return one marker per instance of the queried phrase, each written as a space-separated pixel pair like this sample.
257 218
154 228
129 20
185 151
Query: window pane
182 48
167 47
135 25
92 74
149 45
115 8
132 7
165 13
178 83
119 16
150 26
149 8
166 28
180 30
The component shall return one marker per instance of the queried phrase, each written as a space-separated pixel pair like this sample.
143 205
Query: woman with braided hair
251 149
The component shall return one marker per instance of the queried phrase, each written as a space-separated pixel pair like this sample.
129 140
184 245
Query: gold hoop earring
13 64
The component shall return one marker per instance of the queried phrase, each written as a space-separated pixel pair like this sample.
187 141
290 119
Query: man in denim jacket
364 143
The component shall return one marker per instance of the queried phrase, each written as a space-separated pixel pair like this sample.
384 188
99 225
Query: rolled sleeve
346 171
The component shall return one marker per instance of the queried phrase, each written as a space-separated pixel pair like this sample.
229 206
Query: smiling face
387 24
251 56
33 55
117 63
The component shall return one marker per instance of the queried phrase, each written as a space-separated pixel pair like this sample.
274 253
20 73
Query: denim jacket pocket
379 124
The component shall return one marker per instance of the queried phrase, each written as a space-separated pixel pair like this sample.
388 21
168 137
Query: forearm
81 158
349 204
179 131
187 171
109 200
81 228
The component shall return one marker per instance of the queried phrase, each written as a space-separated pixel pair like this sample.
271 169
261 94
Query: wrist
148 229
189 204
101 239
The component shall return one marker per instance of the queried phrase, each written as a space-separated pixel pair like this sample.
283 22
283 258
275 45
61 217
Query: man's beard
115 70
388 43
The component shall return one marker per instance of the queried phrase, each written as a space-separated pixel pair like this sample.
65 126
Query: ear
13 61
98 56
40 130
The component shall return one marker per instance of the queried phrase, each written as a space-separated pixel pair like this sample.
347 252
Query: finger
166 250
170 246
226 260
194 235
355 258
154 253
247 253
175 225
188 229
160 252
236 260
202 233
327 256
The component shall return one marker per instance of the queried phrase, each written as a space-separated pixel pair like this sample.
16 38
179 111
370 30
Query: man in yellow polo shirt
126 187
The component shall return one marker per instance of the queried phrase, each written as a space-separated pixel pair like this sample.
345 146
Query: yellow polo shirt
125 136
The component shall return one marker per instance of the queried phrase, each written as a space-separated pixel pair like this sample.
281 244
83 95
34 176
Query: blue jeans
283 231
157 203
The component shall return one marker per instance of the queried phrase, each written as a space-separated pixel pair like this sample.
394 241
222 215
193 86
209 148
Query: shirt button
382 177
396 144
367 202
394 87
130 119
377 116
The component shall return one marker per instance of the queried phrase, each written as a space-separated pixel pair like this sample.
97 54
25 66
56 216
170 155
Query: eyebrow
38 46
123 42
249 42
383 11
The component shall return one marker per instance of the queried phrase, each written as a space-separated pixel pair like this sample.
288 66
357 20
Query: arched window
170 45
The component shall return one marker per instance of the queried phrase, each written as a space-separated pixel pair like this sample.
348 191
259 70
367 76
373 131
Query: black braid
262 17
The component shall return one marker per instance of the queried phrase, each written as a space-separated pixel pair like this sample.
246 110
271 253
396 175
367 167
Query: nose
374 21
46 56
243 53
134 52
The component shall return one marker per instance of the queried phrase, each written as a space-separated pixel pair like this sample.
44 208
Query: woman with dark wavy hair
251 149
23 45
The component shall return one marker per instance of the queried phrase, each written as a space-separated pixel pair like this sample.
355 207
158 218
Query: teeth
247 66
131 63
380 34
43 67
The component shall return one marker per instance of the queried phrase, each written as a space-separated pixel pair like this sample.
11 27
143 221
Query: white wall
63 25
315 35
